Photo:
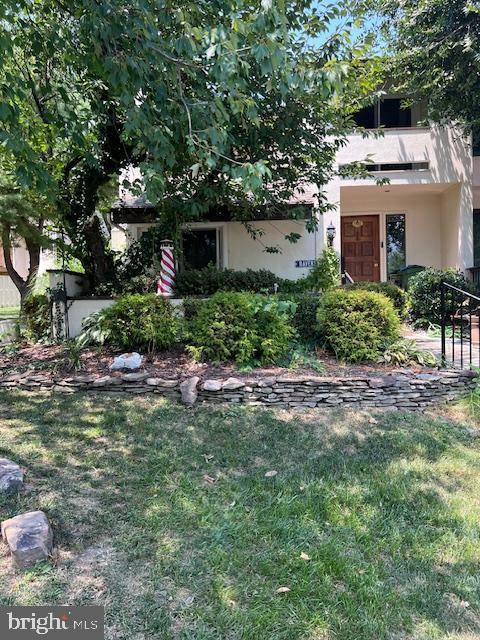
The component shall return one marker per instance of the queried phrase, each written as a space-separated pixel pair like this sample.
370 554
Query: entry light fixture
331 233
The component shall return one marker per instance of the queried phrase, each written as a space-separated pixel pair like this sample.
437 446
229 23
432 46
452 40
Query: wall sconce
331 233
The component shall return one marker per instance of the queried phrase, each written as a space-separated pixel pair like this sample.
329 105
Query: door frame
382 224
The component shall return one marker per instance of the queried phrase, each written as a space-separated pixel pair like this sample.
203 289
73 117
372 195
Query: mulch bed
174 363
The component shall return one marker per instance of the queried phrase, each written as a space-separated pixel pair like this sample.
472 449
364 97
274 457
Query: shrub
249 329
207 281
36 315
146 283
305 317
325 275
355 325
406 351
425 294
133 323
397 295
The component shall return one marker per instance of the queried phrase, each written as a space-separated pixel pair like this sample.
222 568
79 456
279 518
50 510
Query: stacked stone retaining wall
404 390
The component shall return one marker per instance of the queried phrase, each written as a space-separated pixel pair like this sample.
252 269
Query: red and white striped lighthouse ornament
167 269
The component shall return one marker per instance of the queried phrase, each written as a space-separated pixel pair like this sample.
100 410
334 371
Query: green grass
9 312
388 512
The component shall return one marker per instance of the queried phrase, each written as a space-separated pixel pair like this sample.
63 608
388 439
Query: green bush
207 281
248 329
425 294
145 283
398 296
305 317
356 325
133 323
36 316
325 275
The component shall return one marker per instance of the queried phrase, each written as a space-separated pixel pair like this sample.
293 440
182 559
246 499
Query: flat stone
188 389
265 382
11 476
386 381
29 538
212 385
232 384
134 377
105 381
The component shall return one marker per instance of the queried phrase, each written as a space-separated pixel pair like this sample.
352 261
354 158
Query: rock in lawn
29 538
127 361
11 476
189 391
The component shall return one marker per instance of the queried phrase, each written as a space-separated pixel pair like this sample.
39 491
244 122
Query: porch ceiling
395 189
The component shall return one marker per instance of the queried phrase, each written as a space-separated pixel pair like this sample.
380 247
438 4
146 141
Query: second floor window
388 113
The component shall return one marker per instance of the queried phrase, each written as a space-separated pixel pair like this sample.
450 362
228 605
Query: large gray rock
212 385
127 361
189 391
29 538
11 476
232 383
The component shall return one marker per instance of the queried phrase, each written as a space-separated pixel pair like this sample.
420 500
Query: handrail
348 277
458 311
467 294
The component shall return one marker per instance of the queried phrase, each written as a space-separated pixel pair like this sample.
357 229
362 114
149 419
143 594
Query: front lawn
170 518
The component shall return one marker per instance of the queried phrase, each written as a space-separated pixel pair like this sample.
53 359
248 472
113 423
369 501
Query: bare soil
174 363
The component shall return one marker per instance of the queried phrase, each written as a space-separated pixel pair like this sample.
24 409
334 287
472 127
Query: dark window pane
199 248
476 141
476 238
365 117
392 115
395 243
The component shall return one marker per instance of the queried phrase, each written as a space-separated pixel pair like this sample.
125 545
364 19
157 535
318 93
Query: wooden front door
361 247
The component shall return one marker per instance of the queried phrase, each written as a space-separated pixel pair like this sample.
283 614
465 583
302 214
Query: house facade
427 213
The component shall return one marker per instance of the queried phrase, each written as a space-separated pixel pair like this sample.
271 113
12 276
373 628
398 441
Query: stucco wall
244 252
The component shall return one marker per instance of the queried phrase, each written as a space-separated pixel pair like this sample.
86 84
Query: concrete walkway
453 348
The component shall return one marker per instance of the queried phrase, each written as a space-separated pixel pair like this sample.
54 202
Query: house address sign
304 263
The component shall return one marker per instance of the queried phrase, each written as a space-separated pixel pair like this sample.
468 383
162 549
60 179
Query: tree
436 54
214 100
21 219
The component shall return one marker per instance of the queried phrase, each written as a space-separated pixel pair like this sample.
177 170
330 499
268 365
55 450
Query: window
476 237
365 117
388 113
392 115
398 166
201 248
395 242
476 141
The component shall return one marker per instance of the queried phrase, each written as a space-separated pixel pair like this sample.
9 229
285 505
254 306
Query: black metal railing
460 327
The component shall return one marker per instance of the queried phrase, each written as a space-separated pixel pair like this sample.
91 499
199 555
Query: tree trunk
24 286
98 263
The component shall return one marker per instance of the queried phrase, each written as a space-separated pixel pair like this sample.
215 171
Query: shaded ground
166 516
